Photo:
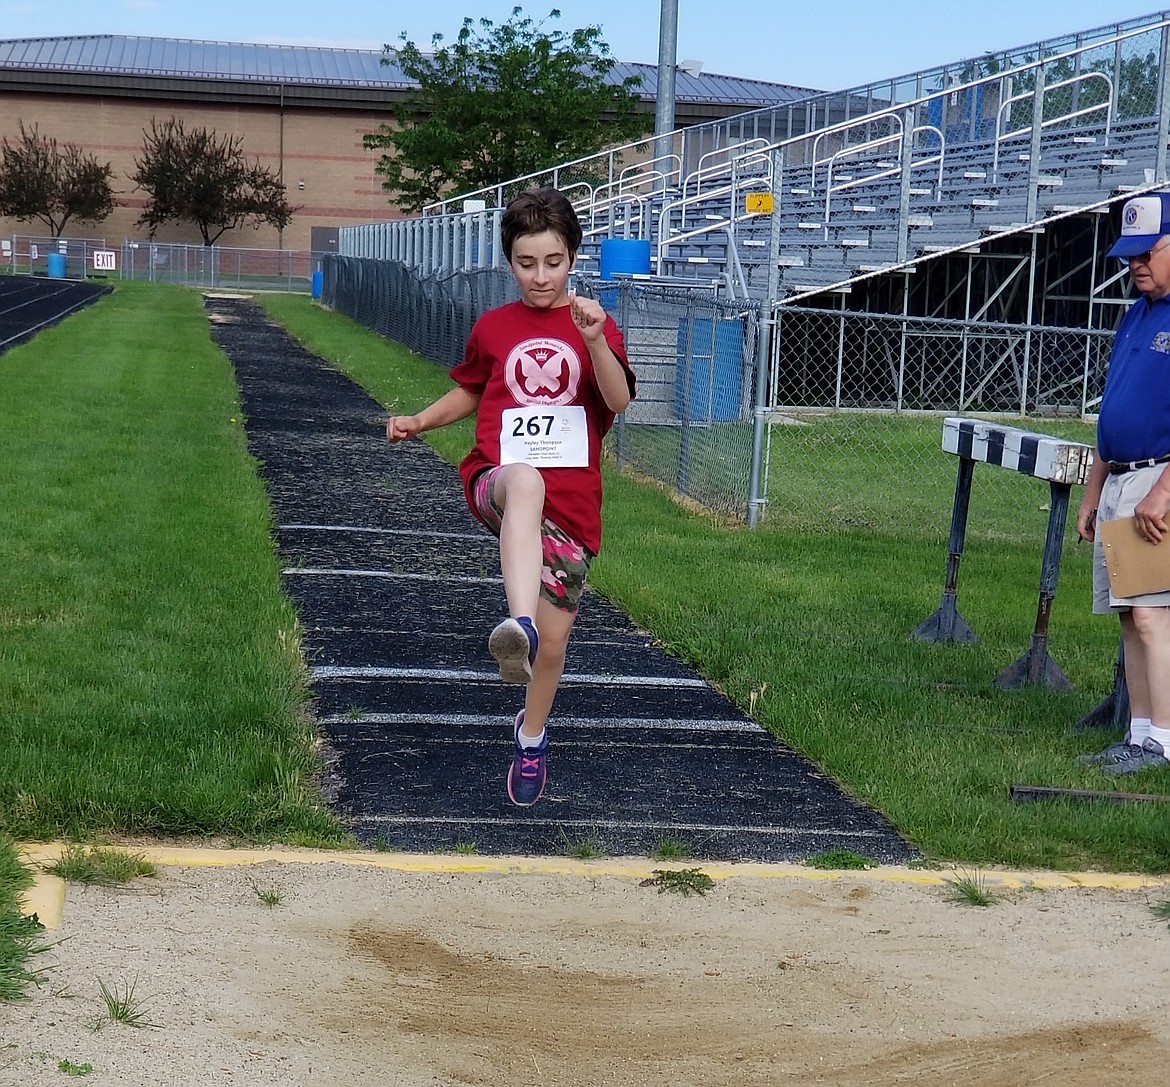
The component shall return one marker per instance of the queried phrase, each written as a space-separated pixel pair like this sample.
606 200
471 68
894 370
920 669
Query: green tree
500 101
202 178
40 180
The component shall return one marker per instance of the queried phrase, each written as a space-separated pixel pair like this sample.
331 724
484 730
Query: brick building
301 111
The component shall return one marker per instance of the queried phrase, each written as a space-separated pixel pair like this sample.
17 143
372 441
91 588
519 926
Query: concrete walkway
397 587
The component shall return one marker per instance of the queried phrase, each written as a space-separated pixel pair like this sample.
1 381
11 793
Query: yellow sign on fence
758 202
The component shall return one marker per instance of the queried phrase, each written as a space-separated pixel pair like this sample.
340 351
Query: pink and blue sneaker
529 769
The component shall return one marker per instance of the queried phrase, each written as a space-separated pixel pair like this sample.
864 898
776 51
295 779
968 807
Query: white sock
1139 729
1161 735
530 743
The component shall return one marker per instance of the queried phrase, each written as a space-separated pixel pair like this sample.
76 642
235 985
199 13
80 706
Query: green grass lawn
150 674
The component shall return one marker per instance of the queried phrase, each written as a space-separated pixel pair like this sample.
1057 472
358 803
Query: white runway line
386 575
467 720
484 536
456 675
612 824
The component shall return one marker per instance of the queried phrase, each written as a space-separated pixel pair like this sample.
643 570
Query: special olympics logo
1129 216
543 371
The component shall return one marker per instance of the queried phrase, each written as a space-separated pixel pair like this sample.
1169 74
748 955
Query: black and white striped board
1039 455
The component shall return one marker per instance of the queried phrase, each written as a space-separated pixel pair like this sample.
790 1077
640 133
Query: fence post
757 500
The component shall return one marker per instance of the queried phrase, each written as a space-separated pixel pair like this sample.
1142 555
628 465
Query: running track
30 303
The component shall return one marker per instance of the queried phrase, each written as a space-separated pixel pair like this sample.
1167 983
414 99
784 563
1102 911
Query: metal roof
122 55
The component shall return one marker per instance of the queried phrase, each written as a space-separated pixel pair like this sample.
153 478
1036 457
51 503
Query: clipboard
1135 565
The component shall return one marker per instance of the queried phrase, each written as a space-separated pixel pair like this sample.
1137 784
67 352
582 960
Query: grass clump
840 859
681 881
20 936
583 849
670 849
122 1005
267 895
100 866
70 1068
970 888
1161 910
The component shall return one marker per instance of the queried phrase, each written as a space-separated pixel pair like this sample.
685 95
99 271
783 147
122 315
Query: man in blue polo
1131 478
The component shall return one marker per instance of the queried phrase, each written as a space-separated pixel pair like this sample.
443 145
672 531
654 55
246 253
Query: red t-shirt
520 356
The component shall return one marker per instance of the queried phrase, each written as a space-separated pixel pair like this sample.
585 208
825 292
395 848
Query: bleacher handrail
665 238
892 171
1007 104
1082 42
704 168
638 175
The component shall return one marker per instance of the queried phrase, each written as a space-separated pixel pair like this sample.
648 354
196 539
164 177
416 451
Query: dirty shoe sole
508 643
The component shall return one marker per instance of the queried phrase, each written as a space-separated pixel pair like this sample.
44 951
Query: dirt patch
365 975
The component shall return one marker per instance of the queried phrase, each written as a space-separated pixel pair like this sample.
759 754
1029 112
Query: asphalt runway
397 587
30 303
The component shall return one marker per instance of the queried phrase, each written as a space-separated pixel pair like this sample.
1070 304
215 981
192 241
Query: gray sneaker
1150 754
1113 753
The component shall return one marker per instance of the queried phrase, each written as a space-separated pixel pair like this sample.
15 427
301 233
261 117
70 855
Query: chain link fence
846 431
218 267
39 254
855 411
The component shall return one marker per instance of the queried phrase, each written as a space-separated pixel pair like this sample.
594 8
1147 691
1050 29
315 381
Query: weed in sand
970 888
840 858
271 895
682 881
122 1006
104 867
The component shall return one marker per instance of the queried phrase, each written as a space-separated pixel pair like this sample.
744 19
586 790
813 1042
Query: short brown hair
536 210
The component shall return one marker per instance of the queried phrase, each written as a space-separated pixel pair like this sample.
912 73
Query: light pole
664 99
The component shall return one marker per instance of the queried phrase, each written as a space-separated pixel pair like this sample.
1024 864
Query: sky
807 44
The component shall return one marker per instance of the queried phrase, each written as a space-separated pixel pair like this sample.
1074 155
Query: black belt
1120 467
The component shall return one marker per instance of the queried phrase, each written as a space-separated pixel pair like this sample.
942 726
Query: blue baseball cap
1144 219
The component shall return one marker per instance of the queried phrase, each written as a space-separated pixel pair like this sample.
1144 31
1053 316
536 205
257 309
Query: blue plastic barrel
318 283
628 255
56 265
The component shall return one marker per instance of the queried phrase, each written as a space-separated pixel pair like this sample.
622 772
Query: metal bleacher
812 199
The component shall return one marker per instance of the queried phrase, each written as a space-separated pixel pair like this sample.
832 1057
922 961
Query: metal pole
1163 106
664 99
1036 666
946 624
756 499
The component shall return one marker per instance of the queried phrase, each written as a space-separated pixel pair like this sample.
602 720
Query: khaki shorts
1119 497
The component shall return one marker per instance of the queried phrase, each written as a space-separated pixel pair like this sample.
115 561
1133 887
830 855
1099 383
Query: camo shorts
566 562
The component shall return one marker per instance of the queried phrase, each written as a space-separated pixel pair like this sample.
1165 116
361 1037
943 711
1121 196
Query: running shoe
513 643
529 770
1113 753
1150 754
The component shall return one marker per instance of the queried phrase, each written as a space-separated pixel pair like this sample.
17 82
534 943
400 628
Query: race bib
545 437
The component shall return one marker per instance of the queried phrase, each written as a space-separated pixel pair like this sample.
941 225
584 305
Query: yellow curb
622 867
45 898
